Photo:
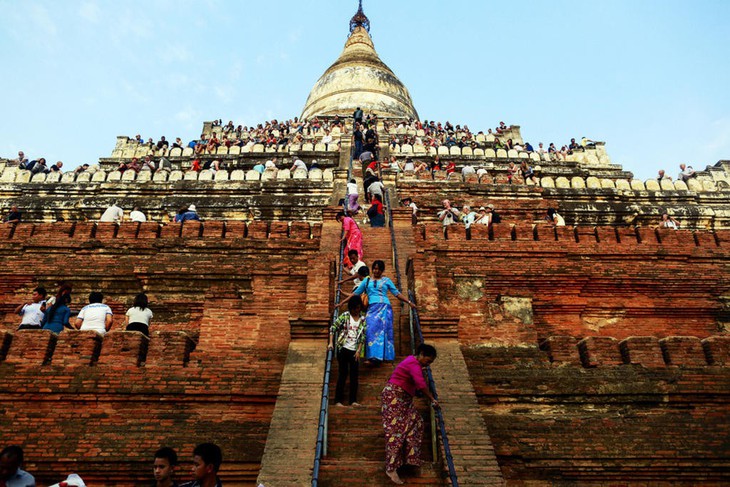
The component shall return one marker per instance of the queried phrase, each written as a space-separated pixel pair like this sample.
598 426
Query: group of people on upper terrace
54 313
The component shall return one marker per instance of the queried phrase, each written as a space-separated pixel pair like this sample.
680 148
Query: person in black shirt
14 215
357 115
164 467
207 459
357 140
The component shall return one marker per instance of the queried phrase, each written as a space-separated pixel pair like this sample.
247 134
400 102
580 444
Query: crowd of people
41 312
365 332
205 463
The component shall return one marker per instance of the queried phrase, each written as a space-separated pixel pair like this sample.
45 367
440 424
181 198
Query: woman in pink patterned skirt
402 422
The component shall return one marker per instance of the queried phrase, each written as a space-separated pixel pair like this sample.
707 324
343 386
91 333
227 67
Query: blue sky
649 77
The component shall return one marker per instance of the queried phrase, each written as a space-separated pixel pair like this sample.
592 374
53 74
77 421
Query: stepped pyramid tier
359 79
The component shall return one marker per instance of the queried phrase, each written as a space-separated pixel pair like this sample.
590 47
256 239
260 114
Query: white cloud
90 11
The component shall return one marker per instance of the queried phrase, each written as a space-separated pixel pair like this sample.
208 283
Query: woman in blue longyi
379 344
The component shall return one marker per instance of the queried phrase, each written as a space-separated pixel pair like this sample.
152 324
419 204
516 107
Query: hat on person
481 208
491 207
72 480
192 208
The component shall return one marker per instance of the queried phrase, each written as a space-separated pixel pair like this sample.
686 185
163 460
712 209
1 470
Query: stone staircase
356 452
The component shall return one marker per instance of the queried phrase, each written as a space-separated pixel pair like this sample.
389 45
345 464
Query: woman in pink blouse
402 422
351 235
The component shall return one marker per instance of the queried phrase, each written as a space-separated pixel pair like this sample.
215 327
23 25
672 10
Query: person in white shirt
137 216
11 475
139 315
554 218
356 265
270 164
33 311
298 164
95 316
112 214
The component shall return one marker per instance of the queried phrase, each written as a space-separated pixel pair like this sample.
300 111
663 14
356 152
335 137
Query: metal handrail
322 428
436 414
416 324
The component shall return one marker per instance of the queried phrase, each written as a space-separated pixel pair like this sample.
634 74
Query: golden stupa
359 79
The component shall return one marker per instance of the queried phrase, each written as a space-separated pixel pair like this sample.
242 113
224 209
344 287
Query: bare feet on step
394 477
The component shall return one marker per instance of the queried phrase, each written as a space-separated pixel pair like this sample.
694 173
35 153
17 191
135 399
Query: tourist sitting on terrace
686 173
563 154
38 166
57 316
661 176
448 215
178 144
11 475
574 146
186 213
541 150
554 219
95 316
21 161
482 218
32 311
498 144
213 144
352 195
137 216
587 143
327 138
139 315
162 143
348 335
147 164
164 164
212 164
509 145
493 215
14 215
527 172
467 216
435 164
482 173
668 222
131 165
511 171
376 212
56 167
259 168
517 147
271 163
450 169
528 147
113 214
81 168
298 164
138 139
467 170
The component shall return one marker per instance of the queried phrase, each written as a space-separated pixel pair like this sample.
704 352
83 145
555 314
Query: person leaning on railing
402 422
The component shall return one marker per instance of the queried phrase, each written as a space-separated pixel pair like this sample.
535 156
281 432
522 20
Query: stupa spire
359 20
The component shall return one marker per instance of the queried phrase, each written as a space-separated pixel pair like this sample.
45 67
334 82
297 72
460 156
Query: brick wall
578 281
223 295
